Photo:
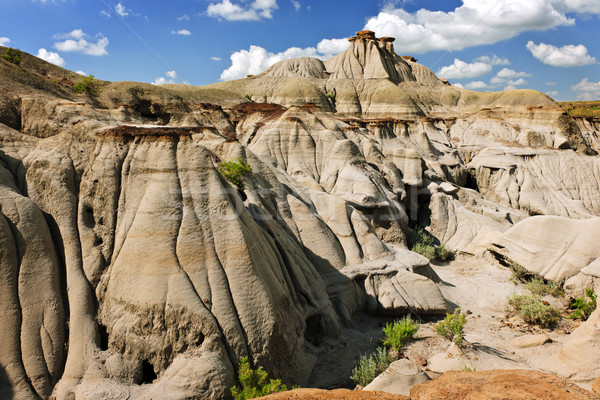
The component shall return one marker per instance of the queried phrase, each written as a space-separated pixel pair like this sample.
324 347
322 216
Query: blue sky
549 45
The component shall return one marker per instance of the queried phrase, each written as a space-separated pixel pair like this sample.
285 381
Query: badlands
131 268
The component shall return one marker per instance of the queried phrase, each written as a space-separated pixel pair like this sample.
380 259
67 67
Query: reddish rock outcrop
497 385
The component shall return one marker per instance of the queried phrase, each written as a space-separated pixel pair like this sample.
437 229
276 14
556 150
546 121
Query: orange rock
339 394
596 386
499 384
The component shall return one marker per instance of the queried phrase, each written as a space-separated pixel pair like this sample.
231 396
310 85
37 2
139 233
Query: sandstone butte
132 269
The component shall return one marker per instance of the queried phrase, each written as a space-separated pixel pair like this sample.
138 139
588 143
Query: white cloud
170 77
296 5
121 10
551 83
461 69
51 57
578 6
508 78
458 85
184 17
183 32
331 47
229 11
493 60
473 23
4 41
566 56
76 42
587 90
105 13
80 72
216 58
553 93
476 85
256 59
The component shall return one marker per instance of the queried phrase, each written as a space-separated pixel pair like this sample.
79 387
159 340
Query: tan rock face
497 385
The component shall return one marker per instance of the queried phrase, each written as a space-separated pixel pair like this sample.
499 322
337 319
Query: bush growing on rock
255 382
12 55
235 171
452 327
423 244
533 310
584 308
87 85
399 331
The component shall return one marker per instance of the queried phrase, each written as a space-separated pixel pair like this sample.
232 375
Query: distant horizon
551 46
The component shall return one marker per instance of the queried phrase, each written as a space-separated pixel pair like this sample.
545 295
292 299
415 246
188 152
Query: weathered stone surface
530 341
499 385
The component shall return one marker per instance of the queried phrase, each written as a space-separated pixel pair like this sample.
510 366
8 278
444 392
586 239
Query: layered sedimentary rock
135 269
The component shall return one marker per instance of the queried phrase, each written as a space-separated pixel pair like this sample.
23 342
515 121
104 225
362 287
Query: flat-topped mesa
369 57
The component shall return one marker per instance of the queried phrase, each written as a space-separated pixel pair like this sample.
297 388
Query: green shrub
397 332
235 171
255 382
247 97
87 85
12 55
533 310
468 369
369 366
423 244
584 308
540 287
452 327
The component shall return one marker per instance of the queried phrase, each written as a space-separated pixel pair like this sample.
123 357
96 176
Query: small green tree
255 382
584 308
452 327
235 171
87 85
12 55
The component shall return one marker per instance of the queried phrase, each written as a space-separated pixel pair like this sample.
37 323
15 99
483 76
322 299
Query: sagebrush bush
533 310
424 245
538 286
584 308
12 55
369 366
255 382
235 171
87 85
399 331
452 327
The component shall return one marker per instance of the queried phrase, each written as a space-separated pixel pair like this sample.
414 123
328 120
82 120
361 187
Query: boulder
398 378
526 341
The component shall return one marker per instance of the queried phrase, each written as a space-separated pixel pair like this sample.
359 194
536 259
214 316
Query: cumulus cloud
184 17
170 77
566 56
460 69
105 13
4 41
476 85
229 11
51 57
121 10
80 72
458 85
509 78
474 22
256 59
183 32
493 60
296 5
76 41
587 90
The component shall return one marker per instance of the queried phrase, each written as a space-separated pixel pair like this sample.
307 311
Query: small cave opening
471 182
152 112
314 329
88 217
103 337
148 373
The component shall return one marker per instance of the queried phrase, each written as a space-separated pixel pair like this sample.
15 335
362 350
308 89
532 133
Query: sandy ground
480 287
